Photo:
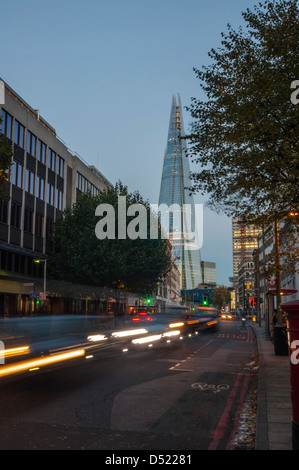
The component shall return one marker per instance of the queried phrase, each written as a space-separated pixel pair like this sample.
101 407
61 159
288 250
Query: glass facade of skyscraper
174 191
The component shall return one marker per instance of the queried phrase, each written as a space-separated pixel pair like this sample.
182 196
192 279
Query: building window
6 126
58 199
15 219
17 174
50 194
29 182
60 165
28 220
79 181
19 132
19 264
51 159
40 188
41 151
84 185
31 144
6 260
39 225
49 229
3 212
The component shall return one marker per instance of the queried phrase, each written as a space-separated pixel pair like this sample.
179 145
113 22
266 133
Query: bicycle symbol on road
210 387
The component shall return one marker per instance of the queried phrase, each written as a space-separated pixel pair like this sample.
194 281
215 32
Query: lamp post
44 260
277 272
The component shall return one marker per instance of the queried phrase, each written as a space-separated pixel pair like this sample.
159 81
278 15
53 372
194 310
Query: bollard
292 311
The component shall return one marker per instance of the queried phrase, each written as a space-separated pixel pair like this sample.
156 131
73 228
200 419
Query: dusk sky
103 75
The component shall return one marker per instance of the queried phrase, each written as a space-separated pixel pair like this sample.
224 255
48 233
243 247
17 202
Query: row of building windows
35 147
22 264
85 186
15 219
39 189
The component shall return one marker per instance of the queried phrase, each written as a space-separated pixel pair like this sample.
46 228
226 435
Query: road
184 396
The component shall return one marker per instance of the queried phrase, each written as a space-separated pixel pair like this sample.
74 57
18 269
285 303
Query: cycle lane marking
203 387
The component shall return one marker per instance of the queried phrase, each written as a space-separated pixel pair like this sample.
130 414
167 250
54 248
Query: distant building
246 284
175 182
245 240
208 273
169 291
46 177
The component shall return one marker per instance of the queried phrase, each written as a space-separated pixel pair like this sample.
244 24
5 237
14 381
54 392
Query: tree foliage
245 132
79 256
221 297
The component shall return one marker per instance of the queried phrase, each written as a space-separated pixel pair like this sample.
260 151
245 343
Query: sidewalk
274 413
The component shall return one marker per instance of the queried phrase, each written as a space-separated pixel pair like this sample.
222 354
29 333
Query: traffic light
148 300
205 301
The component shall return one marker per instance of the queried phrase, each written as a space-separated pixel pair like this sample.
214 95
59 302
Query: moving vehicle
226 316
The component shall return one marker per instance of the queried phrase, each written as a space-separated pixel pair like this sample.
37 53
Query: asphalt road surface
184 396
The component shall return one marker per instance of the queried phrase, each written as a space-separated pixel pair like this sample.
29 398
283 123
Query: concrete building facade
46 177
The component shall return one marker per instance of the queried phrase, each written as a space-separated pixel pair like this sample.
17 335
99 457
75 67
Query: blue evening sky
103 73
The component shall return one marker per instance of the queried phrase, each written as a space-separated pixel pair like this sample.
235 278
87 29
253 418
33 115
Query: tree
245 134
221 297
6 154
78 256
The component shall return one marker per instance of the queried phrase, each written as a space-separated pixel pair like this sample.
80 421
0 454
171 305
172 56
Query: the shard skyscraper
174 191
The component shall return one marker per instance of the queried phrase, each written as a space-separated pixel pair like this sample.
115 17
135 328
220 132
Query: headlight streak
34 364
14 351
172 333
147 339
176 325
69 352
122 334
96 338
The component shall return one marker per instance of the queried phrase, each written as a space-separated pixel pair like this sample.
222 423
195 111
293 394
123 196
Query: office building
246 284
208 270
46 177
245 240
174 192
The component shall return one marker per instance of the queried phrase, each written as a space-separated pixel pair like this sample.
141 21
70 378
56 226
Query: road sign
33 296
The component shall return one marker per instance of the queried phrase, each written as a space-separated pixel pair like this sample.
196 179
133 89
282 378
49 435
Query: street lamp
44 260
277 274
